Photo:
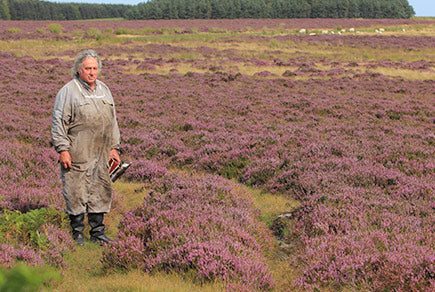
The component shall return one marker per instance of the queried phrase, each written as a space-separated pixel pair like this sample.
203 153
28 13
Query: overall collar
86 86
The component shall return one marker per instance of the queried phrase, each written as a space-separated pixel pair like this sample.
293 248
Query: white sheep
302 30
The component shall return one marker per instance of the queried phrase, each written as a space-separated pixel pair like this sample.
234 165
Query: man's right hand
65 159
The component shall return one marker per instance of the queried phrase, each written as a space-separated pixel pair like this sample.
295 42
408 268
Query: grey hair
78 62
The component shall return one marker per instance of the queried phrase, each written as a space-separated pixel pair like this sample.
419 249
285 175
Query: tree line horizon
206 9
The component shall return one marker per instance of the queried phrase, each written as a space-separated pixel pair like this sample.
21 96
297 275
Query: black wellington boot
77 225
97 228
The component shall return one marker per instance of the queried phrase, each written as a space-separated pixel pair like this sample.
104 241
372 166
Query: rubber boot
97 228
77 226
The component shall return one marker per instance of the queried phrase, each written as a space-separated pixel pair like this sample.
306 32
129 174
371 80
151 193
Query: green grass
85 273
204 37
271 205
104 19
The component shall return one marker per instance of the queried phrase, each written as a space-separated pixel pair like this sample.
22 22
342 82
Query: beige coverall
84 123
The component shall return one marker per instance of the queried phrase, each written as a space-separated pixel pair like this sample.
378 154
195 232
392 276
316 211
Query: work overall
84 123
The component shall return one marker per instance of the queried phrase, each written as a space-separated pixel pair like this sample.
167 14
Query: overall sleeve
116 136
62 117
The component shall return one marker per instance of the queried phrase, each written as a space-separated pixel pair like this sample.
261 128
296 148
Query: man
85 133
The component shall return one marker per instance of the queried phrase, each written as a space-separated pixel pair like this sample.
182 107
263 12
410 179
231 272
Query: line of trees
219 9
207 9
43 10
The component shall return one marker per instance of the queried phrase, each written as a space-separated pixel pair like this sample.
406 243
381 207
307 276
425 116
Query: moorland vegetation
264 158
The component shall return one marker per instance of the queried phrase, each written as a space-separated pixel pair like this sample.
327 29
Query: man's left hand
115 155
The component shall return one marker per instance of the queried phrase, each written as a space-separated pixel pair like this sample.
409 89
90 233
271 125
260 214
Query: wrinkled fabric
84 123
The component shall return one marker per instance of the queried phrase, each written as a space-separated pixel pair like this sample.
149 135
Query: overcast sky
421 7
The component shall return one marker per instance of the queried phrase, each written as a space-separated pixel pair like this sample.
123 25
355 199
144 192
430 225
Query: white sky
421 7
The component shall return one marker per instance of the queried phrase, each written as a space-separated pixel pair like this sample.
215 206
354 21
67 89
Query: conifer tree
208 9
4 10
272 9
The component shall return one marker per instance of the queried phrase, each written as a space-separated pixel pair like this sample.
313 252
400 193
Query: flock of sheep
341 31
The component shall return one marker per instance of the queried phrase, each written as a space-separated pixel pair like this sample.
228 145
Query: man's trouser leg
77 226
97 228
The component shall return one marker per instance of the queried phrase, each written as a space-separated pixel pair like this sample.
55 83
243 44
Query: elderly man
85 133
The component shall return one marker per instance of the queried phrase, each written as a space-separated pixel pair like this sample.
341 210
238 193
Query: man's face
89 71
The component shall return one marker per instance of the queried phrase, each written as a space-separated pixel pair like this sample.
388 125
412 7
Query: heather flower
354 147
142 170
192 224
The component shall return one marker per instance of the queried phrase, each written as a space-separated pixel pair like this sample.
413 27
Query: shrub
55 28
34 237
121 30
93 33
145 170
196 226
24 278
78 32
14 30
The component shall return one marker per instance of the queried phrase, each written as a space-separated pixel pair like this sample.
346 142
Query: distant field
205 25
230 124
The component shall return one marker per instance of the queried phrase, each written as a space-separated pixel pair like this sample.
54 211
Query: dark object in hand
117 169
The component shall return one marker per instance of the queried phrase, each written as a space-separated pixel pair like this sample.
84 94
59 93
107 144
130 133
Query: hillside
268 155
